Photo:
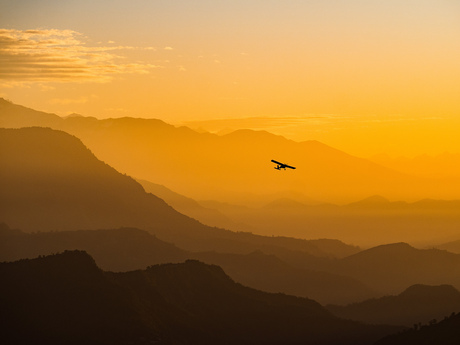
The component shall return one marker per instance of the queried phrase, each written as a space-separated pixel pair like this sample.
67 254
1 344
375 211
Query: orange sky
364 76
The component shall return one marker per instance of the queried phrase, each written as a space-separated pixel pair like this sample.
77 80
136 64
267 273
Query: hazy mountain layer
453 246
391 268
191 208
66 298
116 250
233 167
51 181
368 222
211 216
269 273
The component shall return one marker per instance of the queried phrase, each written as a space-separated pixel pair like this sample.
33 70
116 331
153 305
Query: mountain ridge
187 303
416 304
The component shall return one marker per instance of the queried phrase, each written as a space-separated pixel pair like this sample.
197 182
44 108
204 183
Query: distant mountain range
367 222
191 208
235 167
393 267
453 246
66 298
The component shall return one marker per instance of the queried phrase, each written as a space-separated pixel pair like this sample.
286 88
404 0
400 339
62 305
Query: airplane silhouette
280 166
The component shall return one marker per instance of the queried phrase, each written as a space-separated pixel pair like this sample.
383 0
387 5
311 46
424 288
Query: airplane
280 166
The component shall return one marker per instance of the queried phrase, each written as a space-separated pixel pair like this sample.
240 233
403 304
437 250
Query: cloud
60 56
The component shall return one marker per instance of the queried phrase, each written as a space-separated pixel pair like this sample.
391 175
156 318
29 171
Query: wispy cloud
61 55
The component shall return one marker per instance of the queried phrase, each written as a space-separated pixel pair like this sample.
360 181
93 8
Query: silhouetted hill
390 268
446 332
131 249
417 304
269 273
121 249
65 298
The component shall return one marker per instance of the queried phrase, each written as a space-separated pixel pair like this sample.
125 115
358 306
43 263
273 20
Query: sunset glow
382 77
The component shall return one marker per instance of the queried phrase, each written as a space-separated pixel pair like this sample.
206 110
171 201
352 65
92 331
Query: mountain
367 222
235 167
444 332
66 298
122 249
51 181
372 201
190 207
392 267
416 304
453 246
16 116
269 273
127 249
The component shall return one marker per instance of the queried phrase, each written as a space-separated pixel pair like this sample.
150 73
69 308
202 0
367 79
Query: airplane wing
282 165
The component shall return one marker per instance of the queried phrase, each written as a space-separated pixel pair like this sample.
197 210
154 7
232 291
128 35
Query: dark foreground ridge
446 332
66 299
417 304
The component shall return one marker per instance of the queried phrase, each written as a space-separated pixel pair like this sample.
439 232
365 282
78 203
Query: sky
365 76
